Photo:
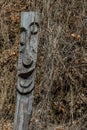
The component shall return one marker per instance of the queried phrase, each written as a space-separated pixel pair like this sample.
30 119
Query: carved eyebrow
34 23
22 29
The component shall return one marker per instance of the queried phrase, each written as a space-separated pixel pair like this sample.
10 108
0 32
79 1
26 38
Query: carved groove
26 93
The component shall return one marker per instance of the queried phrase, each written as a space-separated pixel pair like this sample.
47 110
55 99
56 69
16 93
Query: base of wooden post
23 111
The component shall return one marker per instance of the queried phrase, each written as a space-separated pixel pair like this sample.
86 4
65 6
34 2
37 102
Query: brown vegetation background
61 87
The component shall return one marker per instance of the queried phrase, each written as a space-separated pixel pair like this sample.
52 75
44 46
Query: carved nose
27 61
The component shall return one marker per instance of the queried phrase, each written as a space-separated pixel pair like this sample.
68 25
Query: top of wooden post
30 17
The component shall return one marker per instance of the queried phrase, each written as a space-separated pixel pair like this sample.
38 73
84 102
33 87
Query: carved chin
25 86
25 83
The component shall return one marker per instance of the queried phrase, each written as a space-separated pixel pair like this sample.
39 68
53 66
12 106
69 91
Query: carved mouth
26 74
25 78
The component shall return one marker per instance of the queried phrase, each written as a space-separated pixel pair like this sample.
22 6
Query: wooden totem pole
26 68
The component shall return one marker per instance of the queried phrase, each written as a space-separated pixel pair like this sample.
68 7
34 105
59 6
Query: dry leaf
73 35
78 37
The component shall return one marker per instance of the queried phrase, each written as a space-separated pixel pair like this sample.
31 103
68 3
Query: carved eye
22 29
34 28
22 43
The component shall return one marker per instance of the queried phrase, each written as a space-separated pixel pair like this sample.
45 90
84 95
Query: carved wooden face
27 51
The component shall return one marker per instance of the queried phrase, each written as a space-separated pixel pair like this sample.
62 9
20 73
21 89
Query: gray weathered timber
26 69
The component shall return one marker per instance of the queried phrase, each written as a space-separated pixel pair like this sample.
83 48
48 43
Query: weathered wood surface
26 69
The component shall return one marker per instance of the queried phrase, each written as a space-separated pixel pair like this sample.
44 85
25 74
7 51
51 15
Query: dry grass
60 88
